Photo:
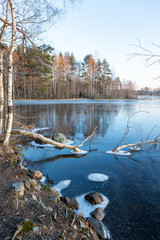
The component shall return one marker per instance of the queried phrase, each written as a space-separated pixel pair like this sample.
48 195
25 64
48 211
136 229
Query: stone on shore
71 202
98 227
18 188
35 174
98 214
94 198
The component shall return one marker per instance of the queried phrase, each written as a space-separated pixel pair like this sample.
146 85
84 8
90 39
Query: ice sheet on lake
119 153
97 177
79 153
47 145
62 185
85 208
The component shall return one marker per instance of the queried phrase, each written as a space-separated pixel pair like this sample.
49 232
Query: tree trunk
10 77
3 30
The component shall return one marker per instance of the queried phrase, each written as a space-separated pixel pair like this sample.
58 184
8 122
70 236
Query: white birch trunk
3 30
10 77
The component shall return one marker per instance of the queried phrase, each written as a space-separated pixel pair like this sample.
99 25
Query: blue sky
107 29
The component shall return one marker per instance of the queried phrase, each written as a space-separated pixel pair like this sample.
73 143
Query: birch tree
10 76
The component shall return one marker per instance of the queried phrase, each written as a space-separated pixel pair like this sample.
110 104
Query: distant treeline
41 74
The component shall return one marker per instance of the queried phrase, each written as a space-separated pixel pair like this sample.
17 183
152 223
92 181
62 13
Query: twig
116 149
87 138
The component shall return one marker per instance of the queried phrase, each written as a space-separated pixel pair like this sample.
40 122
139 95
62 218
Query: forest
39 73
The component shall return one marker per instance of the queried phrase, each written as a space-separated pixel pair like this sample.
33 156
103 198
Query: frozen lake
132 185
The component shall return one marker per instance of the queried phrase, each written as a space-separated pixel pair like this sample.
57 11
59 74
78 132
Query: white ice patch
62 185
39 129
81 152
47 145
85 208
135 149
97 177
119 153
43 180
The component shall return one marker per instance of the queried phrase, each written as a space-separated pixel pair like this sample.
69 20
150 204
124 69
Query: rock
94 198
98 213
18 188
50 209
23 170
35 174
27 185
71 202
59 137
33 182
24 164
38 141
34 197
38 187
26 200
98 227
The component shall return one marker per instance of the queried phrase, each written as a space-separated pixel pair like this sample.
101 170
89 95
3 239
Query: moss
46 187
27 226
23 227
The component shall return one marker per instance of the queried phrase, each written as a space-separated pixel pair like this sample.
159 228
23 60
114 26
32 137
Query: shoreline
40 207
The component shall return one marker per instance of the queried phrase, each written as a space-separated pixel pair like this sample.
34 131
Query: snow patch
47 145
119 153
97 177
78 153
62 185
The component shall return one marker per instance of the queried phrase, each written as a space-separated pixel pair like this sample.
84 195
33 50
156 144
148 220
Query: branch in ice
116 149
50 141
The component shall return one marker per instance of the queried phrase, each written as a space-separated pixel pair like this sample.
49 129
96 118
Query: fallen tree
50 141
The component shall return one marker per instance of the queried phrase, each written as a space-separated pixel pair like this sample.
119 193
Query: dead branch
50 141
87 138
116 149
138 144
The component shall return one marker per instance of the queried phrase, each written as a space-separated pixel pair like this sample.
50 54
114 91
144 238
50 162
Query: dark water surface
133 187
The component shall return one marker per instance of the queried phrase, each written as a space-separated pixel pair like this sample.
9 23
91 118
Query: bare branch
50 141
127 129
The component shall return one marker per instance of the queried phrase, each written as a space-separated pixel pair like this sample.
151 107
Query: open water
133 185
